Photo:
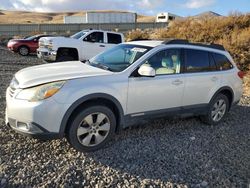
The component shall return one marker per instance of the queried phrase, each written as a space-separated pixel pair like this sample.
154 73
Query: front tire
23 50
217 110
91 128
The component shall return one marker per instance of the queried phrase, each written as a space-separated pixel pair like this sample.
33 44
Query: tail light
241 74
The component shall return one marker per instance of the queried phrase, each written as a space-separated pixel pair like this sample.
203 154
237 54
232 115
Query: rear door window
196 61
213 66
114 38
222 62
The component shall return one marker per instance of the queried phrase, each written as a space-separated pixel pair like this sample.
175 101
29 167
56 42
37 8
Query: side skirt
186 111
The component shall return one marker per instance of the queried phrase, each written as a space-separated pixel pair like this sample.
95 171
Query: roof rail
186 42
176 41
138 39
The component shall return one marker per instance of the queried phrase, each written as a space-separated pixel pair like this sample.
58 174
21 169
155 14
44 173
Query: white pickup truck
80 46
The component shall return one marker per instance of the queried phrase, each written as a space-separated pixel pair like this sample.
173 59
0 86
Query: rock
3 181
192 138
204 184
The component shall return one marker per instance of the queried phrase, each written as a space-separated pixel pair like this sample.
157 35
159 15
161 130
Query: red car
26 45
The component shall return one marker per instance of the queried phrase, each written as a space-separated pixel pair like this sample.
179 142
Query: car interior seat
167 66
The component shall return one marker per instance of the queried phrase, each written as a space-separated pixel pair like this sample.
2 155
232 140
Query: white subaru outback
88 102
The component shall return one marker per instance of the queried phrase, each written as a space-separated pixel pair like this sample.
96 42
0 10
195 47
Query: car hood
41 74
57 39
19 40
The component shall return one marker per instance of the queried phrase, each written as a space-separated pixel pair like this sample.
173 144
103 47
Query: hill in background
24 17
207 14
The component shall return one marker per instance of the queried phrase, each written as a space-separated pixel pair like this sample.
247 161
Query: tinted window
161 17
197 61
166 61
79 34
94 37
213 66
114 38
222 62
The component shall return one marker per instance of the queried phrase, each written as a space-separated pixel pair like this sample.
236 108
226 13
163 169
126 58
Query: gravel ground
162 153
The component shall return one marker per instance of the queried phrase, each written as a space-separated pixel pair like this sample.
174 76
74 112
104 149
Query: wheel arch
226 90
24 45
99 98
70 51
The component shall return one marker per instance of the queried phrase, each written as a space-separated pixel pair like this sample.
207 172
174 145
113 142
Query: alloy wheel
219 110
24 51
93 129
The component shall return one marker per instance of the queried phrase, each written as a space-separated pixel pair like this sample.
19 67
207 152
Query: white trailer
166 17
102 17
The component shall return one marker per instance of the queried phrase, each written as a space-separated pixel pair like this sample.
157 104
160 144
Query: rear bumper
46 55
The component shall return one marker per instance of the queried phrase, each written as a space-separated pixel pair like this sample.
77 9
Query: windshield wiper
99 65
86 62
102 66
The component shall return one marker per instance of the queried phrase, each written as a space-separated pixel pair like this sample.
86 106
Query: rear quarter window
222 62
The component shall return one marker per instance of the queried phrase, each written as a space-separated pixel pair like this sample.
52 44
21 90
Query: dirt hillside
10 17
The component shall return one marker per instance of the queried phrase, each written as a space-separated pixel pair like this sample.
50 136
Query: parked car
25 46
88 102
80 46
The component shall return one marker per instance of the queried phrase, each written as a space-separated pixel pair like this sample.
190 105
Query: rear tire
217 110
23 50
91 128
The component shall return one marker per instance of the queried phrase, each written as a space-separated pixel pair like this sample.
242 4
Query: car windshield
78 35
119 57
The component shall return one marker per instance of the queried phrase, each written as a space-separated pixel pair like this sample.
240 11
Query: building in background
166 17
102 17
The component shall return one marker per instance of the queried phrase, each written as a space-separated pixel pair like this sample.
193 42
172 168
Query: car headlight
41 92
12 43
50 45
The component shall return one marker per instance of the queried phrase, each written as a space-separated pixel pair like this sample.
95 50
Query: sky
145 7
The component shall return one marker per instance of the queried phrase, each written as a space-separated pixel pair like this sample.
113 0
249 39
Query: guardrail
27 29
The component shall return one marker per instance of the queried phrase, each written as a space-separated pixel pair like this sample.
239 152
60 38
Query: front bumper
47 55
12 48
40 136
35 119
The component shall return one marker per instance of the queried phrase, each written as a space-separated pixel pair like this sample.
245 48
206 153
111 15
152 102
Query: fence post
18 30
38 28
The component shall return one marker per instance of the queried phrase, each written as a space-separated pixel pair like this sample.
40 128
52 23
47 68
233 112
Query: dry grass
233 32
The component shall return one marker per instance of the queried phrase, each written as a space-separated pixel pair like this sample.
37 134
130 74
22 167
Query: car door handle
177 82
214 79
102 45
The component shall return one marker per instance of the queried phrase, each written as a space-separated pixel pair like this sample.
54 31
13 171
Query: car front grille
41 44
11 91
13 86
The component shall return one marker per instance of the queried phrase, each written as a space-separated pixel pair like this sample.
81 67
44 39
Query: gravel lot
162 153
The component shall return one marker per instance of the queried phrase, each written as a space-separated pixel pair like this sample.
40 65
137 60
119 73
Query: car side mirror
147 71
